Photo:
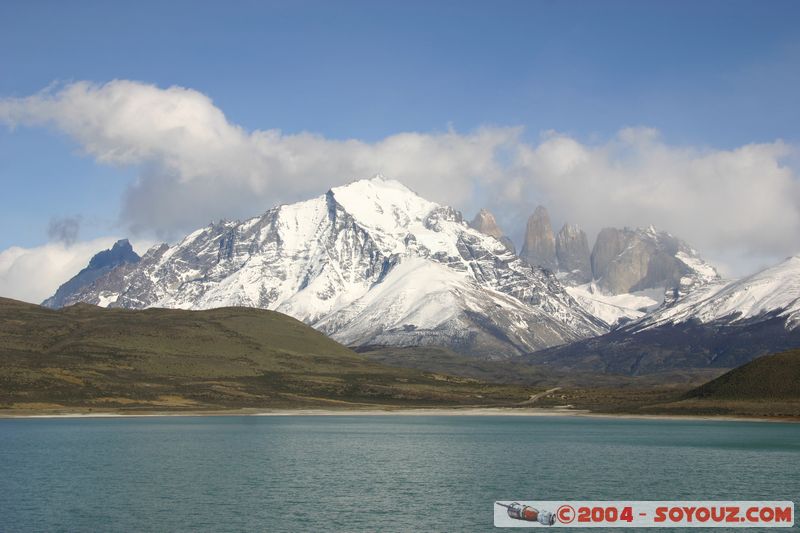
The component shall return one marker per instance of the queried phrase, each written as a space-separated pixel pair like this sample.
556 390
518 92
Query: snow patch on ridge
703 270
773 290
615 309
417 294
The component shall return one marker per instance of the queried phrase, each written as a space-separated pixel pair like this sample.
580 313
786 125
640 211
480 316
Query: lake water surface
356 473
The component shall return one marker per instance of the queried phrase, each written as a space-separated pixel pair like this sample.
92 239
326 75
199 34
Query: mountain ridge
100 264
722 324
320 260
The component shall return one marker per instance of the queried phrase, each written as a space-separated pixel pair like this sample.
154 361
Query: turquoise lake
368 473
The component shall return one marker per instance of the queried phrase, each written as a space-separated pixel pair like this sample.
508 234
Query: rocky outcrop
485 222
721 324
629 260
539 248
101 264
608 246
572 253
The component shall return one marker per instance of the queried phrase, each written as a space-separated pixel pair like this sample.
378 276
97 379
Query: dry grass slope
84 357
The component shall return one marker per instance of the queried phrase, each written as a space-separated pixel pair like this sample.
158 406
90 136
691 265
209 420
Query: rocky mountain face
102 263
539 247
628 273
572 253
369 263
720 324
629 260
637 270
622 261
485 222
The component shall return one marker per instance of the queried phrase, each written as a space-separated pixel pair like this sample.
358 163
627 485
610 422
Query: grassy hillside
768 386
766 378
445 360
84 358
92 358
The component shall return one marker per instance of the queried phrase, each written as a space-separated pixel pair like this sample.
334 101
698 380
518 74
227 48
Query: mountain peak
376 182
539 247
572 253
120 252
101 263
485 222
384 205
630 260
370 262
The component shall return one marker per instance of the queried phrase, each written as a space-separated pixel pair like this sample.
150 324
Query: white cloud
33 274
195 166
742 202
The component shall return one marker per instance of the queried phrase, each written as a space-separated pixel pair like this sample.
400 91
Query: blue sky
711 75
722 73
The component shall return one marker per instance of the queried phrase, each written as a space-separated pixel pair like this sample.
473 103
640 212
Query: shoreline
402 411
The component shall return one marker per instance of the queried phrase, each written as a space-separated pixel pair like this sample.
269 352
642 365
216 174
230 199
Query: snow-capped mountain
616 309
485 222
643 270
101 264
367 263
772 292
628 273
720 324
629 260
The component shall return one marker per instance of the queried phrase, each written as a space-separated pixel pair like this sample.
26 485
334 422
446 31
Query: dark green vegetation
769 377
765 387
84 357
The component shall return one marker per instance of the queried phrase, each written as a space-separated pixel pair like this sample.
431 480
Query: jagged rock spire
485 222
572 252
539 247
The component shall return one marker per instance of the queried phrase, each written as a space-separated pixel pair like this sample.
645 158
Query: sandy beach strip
388 411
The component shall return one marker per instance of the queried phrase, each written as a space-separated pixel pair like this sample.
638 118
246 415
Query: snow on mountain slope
629 272
616 309
665 267
719 324
424 302
773 290
368 263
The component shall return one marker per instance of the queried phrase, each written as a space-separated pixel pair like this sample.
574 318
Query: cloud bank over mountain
32 274
194 165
